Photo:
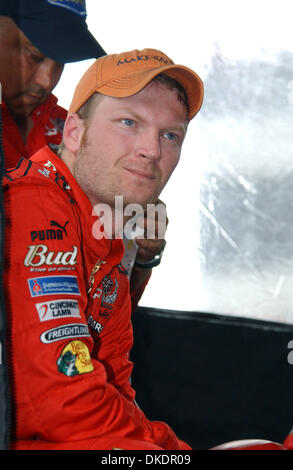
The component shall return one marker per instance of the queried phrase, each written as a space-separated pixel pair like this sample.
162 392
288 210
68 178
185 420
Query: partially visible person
37 37
67 292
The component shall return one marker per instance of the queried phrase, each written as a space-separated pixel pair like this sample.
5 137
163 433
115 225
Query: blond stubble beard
95 195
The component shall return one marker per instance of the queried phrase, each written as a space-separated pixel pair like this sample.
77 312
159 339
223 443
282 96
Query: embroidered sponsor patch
39 255
56 233
75 359
52 285
56 128
107 292
95 325
44 172
61 308
50 165
72 330
75 6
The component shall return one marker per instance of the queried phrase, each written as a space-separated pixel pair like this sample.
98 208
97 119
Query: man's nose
150 146
47 74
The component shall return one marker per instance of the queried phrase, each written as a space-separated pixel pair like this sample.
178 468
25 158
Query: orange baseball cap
125 74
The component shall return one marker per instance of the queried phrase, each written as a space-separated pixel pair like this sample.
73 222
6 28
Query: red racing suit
69 328
48 121
288 442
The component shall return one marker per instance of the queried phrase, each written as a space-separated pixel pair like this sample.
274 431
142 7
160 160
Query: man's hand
155 225
149 251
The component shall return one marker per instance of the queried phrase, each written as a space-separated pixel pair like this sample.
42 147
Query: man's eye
128 122
34 57
171 136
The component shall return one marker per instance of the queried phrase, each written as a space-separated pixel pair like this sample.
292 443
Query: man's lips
32 97
144 174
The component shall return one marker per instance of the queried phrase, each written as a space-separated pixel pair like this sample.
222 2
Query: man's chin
140 199
22 108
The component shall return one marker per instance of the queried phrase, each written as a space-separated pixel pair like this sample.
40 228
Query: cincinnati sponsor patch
75 359
53 285
61 308
72 330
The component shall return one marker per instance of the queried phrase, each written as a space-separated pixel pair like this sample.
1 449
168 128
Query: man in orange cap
68 298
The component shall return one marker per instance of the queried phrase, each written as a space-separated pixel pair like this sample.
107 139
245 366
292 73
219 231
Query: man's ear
73 132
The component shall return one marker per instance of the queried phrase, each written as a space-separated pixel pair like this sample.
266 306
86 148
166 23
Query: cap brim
132 83
63 42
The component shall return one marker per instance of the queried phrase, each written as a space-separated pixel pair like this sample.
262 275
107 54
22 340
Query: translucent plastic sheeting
240 260
229 240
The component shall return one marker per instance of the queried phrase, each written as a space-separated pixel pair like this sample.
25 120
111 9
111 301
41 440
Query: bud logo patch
60 308
39 255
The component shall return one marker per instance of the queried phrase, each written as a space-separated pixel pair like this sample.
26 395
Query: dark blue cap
56 27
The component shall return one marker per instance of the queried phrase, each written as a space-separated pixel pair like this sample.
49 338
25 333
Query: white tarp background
230 202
